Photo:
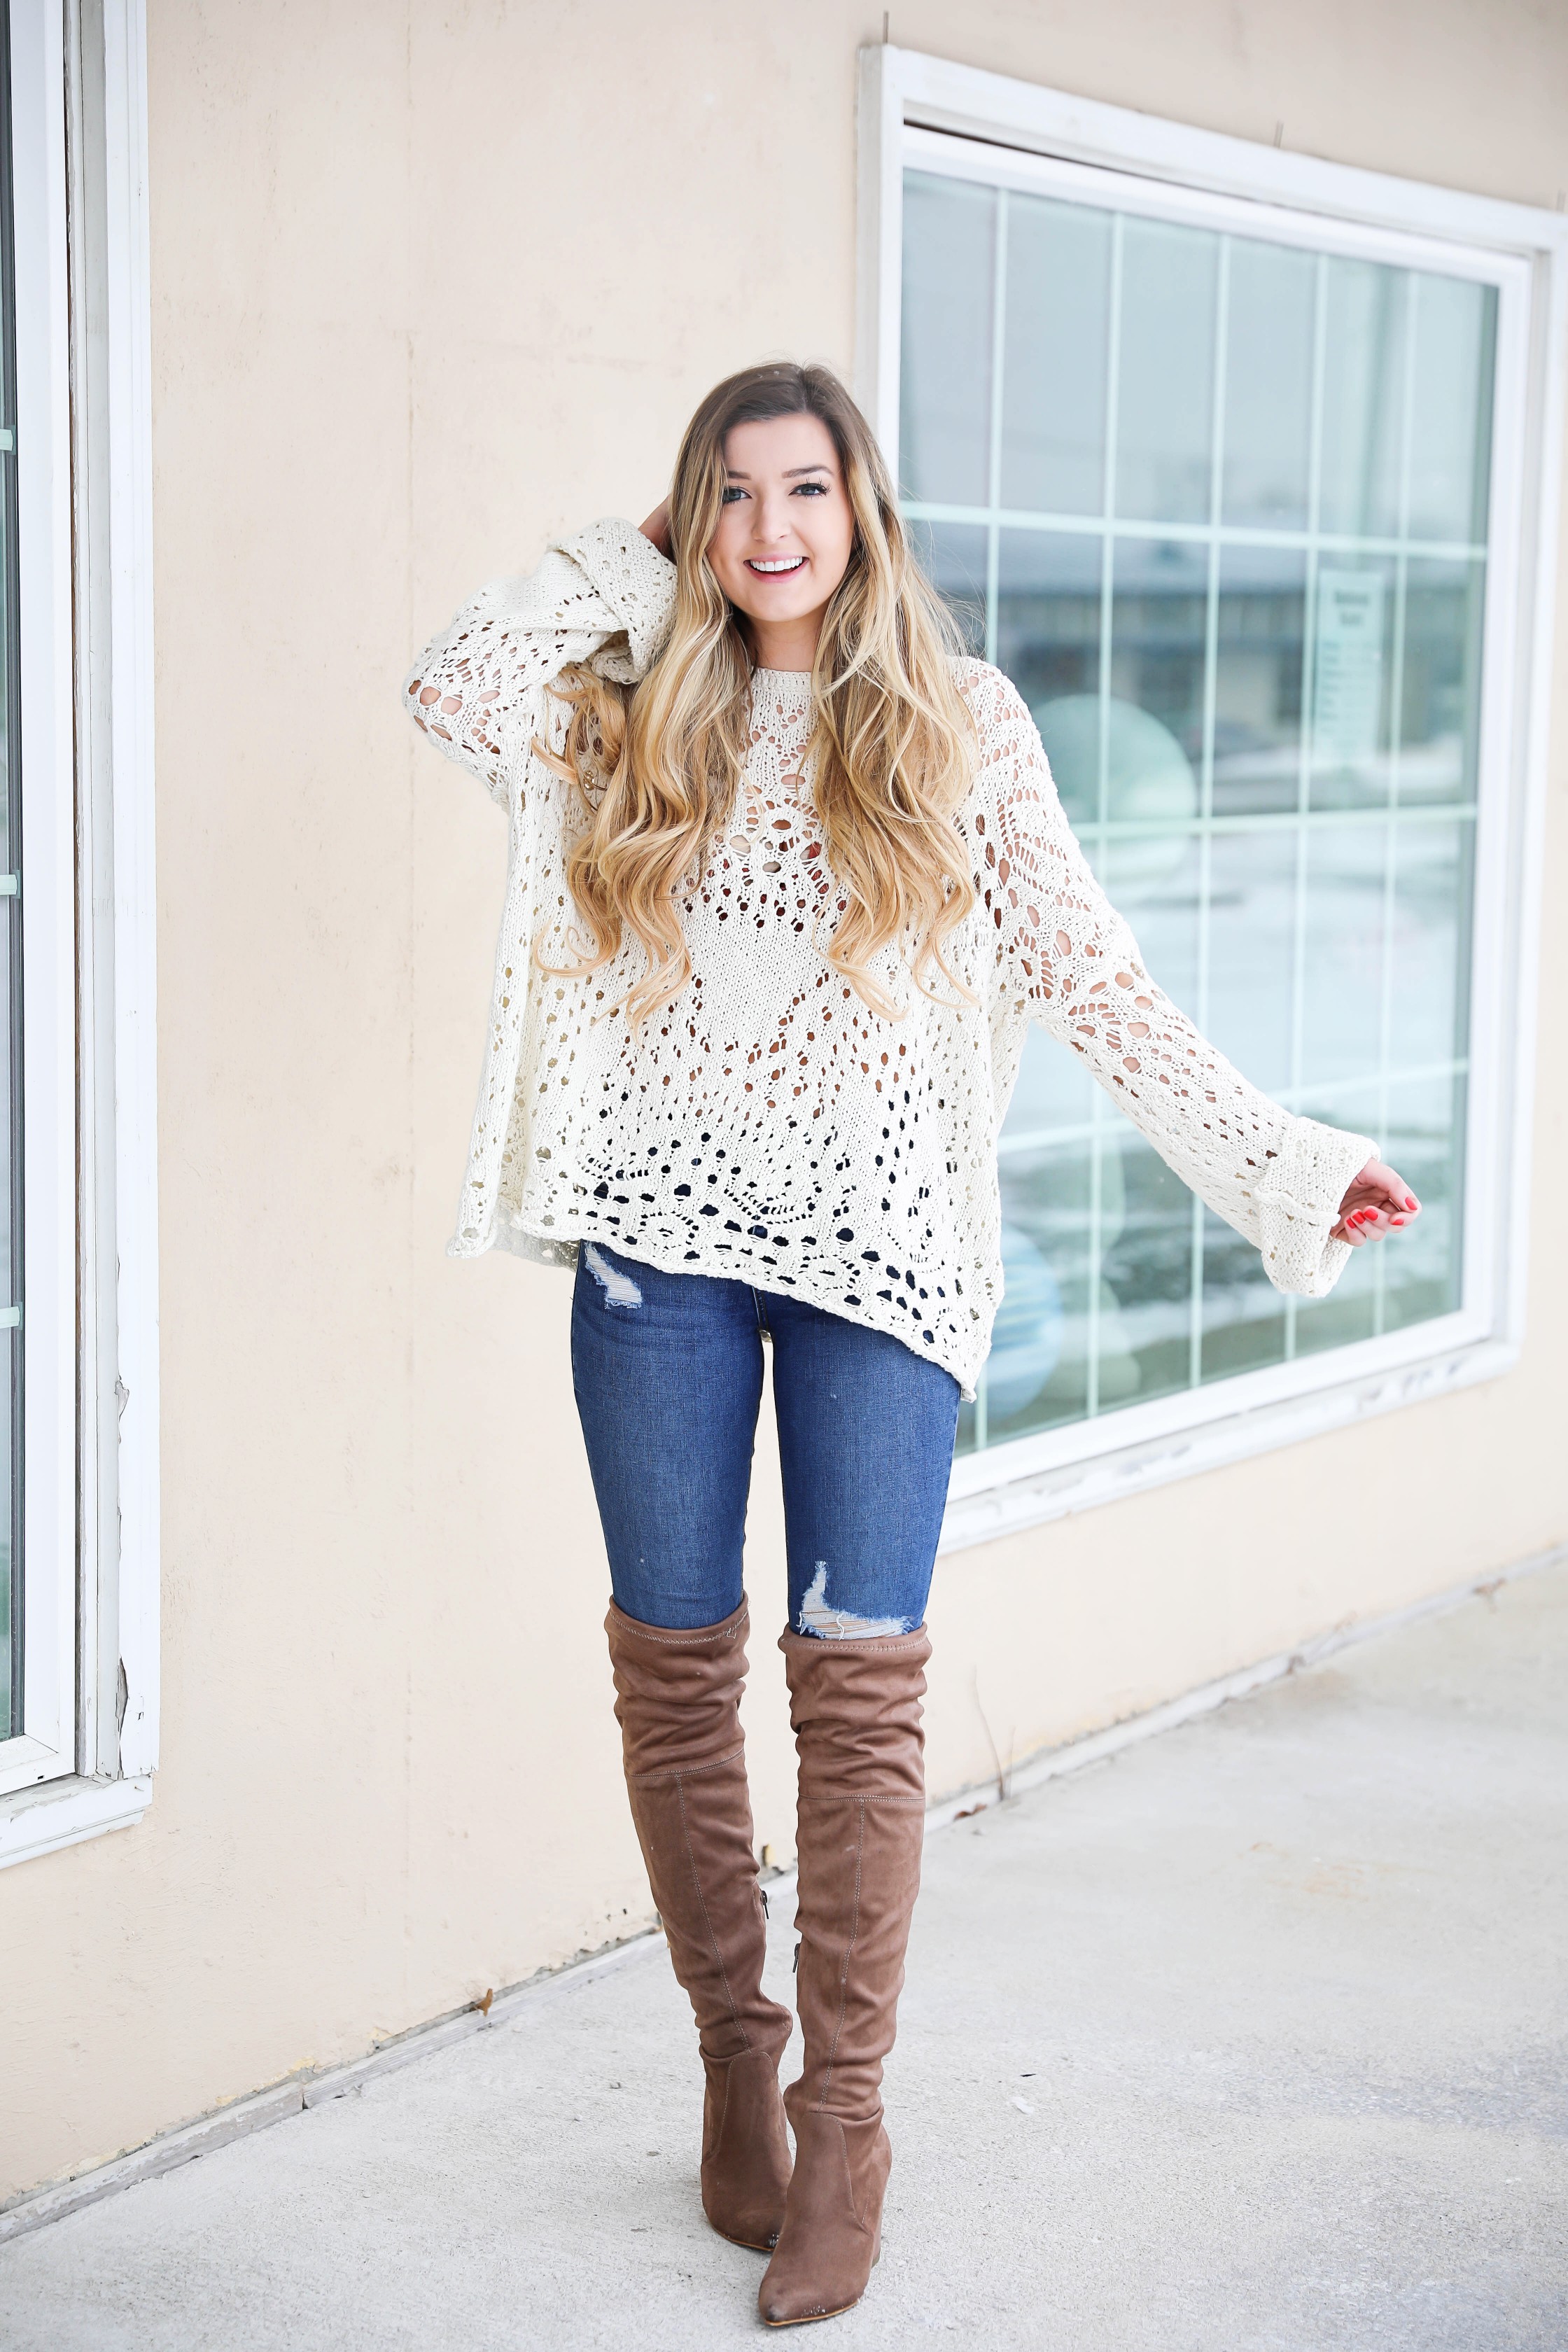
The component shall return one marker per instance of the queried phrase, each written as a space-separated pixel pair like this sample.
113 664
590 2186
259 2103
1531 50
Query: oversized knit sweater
768 1126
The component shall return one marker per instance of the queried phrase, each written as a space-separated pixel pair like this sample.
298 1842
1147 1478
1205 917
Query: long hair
890 753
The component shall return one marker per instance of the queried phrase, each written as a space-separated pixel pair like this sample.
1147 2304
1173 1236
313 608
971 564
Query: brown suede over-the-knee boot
678 1702
856 1709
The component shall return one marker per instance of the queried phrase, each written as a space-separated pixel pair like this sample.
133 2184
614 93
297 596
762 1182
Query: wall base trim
164 2154
1050 1763
311 2087
315 2088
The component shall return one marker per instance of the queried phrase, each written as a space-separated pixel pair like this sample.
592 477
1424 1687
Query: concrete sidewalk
1251 2039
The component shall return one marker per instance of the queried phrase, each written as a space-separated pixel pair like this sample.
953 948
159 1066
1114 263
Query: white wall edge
63 1812
135 896
1542 525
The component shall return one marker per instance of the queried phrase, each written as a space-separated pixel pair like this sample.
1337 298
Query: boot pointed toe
833 2219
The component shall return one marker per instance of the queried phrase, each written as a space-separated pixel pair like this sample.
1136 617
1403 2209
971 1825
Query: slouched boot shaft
678 1700
856 1709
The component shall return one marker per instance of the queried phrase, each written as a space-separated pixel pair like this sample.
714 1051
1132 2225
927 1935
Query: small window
37 905
77 1215
12 1643
1230 489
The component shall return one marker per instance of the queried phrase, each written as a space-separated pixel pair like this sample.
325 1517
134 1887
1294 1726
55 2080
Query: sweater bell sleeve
1277 1178
605 596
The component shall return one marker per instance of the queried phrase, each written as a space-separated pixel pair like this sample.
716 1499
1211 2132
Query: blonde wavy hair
891 745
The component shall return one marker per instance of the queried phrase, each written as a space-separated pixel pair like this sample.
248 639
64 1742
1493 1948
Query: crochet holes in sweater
735 1135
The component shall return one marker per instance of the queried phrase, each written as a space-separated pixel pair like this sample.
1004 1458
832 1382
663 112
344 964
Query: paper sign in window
1347 700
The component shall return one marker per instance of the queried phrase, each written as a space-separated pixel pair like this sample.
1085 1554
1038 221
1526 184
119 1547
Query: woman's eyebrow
790 474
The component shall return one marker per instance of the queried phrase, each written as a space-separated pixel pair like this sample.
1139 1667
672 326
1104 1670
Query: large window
1218 507
1230 490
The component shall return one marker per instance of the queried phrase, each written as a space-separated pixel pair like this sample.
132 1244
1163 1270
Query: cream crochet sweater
767 1125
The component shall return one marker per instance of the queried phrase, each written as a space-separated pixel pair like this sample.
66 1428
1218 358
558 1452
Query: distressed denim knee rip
818 1616
669 1375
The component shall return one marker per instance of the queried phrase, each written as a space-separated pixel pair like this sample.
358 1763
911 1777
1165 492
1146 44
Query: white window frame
84 1759
936 117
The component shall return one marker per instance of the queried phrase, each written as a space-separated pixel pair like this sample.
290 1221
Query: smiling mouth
774 567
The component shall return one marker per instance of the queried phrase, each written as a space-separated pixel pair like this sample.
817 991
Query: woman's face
785 529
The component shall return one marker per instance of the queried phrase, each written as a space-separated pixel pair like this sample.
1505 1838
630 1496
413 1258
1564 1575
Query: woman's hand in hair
1377 1199
656 527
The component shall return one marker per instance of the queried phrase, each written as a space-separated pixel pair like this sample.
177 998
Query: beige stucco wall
430 284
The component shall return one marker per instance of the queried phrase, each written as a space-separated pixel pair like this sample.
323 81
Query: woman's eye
731 492
811 489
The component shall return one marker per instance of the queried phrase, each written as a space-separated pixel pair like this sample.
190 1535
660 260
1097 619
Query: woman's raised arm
1290 1186
604 595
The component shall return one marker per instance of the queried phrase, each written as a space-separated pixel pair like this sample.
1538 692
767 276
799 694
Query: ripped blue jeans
668 1371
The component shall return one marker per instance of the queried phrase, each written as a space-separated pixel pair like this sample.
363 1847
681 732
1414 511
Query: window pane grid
1208 596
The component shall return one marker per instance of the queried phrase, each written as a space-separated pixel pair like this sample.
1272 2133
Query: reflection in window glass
1364 382
1426 1134
1049 589
1266 469
1250 905
956 555
1450 407
1164 435
1260 632
949 266
1158 642
1143 1334
1230 541
1440 679
1054 372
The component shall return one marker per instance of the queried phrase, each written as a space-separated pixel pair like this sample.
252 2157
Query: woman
788 880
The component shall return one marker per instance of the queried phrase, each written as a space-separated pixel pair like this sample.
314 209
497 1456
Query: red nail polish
1409 1200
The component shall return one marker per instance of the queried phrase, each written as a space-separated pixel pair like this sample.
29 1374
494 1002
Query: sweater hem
521 1239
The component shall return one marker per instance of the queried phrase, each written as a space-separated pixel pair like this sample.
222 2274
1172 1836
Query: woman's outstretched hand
656 527
1377 1199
